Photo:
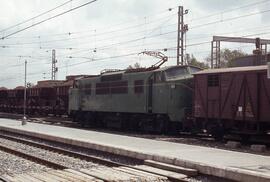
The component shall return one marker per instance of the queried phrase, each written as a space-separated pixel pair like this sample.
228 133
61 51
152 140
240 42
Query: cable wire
47 19
25 21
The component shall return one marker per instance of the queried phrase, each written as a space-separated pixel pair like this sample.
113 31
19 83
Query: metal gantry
182 29
215 47
54 68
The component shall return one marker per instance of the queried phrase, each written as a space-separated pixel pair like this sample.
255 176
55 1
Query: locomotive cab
172 94
180 80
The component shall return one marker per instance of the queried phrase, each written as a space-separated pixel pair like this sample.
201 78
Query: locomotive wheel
77 117
87 119
174 128
161 125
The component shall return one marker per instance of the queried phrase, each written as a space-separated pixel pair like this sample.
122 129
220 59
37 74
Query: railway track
32 157
103 170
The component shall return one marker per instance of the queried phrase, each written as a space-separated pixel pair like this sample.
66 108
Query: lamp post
24 100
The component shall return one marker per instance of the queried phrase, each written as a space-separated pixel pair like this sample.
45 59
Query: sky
112 34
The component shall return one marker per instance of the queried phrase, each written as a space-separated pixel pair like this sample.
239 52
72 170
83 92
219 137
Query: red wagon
233 99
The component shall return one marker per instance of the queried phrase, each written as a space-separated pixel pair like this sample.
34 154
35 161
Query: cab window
176 72
194 70
159 76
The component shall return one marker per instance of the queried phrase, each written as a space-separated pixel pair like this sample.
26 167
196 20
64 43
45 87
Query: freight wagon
232 100
47 97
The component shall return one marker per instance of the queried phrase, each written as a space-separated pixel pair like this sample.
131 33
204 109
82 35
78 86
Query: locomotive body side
111 94
150 100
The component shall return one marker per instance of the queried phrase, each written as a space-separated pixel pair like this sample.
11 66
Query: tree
227 56
191 60
30 85
135 66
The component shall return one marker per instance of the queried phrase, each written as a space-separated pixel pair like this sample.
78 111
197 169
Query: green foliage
191 60
227 56
135 66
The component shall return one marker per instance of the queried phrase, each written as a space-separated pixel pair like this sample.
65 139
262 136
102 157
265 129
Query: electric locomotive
151 100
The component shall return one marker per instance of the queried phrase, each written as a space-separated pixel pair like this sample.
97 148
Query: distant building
250 60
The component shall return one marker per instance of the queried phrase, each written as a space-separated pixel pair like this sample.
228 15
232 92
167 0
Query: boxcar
233 99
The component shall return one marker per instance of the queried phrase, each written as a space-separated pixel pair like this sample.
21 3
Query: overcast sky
109 34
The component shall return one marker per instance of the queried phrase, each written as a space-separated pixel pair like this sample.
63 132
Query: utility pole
25 89
258 52
54 68
182 29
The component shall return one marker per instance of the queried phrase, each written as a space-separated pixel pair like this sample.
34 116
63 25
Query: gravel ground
104 155
70 162
11 164
77 163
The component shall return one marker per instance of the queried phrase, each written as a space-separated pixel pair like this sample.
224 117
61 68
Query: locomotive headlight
172 86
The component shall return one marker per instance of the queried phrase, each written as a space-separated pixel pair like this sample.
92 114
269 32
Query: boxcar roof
235 69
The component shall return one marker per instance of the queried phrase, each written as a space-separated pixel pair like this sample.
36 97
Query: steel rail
86 157
81 156
32 158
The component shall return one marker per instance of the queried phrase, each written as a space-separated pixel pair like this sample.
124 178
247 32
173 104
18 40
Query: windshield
176 72
194 69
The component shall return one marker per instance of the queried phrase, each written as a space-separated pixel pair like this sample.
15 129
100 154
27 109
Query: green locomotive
157 100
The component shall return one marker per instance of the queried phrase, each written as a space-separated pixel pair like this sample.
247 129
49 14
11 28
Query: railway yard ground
39 152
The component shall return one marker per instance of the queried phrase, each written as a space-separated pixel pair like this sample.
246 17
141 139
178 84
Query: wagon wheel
215 129
89 120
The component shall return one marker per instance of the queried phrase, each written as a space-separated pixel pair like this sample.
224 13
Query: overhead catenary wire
230 10
86 36
105 28
47 19
189 45
229 19
141 39
200 43
168 9
39 15
196 26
